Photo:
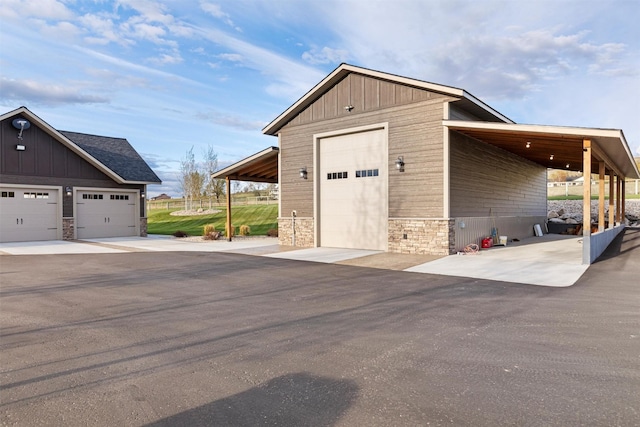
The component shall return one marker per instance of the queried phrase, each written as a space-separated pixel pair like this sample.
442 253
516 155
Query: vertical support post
229 232
586 205
623 201
601 196
618 197
612 197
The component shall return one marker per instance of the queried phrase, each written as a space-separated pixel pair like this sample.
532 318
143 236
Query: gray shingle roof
116 154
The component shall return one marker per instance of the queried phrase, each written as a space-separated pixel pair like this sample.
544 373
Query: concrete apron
545 261
551 260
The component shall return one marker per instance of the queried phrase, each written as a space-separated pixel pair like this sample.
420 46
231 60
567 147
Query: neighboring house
372 160
66 185
162 196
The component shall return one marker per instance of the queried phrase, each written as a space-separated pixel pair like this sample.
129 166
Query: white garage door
29 214
102 213
354 191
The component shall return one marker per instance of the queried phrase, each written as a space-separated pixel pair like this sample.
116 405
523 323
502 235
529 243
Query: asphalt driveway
167 338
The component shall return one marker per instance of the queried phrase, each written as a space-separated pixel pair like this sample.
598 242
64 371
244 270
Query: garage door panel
29 214
353 191
102 213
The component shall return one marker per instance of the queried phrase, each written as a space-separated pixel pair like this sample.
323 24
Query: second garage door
102 213
29 214
354 191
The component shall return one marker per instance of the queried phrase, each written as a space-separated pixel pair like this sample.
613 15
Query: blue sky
175 74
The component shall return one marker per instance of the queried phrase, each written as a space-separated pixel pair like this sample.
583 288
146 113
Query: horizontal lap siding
486 180
415 132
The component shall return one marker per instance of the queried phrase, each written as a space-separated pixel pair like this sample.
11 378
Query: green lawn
260 218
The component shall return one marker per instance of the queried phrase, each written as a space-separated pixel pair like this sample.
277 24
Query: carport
604 152
260 167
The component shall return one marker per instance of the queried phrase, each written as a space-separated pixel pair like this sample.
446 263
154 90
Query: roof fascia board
230 170
70 145
344 69
541 129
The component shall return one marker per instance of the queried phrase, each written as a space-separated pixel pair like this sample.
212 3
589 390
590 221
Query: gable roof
467 100
113 156
116 154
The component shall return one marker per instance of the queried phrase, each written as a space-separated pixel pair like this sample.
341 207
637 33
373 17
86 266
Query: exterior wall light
67 190
528 144
20 147
303 172
400 163
142 194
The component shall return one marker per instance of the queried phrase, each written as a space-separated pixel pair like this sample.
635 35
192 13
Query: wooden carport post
601 197
586 205
623 199
618 187
228 183
612 196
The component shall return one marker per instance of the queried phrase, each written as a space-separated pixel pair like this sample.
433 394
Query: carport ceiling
552 146
261 167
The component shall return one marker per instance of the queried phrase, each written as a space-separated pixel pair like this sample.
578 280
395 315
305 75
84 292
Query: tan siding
415 132
330 101
487 180
371 94
387 94
344 89
357 96
318 111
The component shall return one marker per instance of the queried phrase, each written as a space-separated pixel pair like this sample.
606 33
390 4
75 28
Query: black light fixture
400 163
67 190
142 194
303 172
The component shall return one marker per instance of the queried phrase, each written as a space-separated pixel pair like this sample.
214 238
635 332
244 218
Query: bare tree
191 179
213 187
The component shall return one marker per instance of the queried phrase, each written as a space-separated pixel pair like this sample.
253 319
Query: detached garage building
372 160
65 185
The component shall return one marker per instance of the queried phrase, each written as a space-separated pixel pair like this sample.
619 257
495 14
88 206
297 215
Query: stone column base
143 227
68 228
304 232
422 236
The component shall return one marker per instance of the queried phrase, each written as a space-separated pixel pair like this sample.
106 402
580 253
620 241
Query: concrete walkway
551 260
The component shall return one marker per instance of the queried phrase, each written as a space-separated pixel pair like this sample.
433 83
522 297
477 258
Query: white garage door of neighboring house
354 191
101 213
29 214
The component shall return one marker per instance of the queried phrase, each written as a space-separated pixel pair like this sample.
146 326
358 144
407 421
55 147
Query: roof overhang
70 145
479 107
555 147
260 167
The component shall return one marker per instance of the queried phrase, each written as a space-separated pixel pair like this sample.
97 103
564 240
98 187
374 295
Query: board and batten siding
414 129
486 180
46 161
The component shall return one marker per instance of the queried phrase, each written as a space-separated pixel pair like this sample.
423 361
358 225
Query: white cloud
216 11
45 9
326 55
103 30
167 59
36 92
231 121
232 57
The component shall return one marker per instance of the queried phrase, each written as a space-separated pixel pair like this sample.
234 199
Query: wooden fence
174 204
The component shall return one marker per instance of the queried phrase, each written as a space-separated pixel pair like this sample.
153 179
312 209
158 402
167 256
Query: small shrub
210 233
230 233
245 230
208 229
180 233
272 232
